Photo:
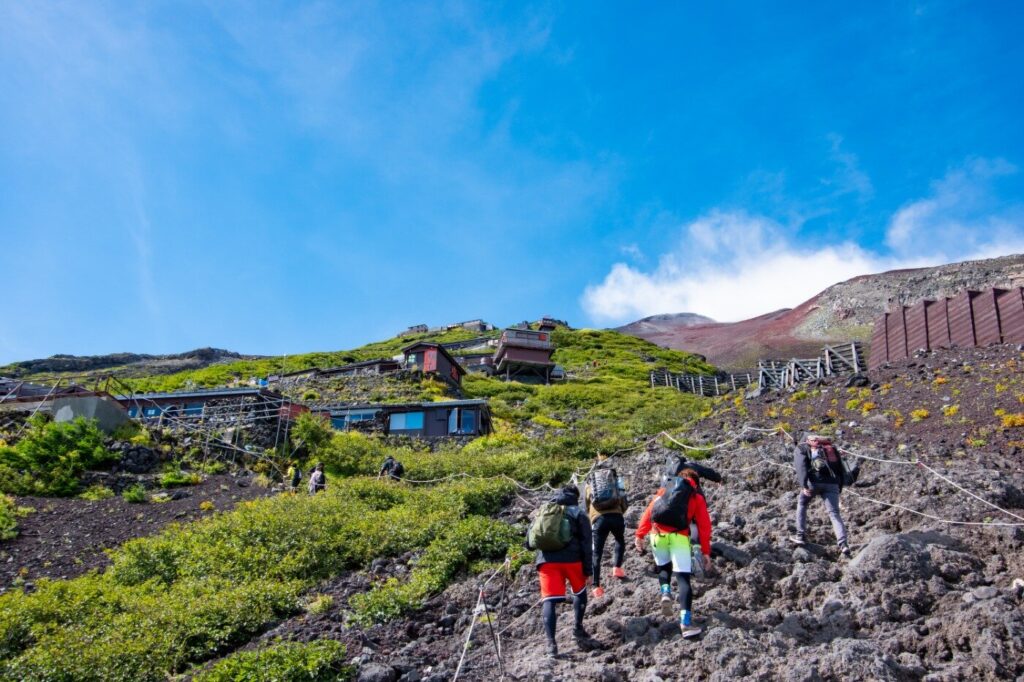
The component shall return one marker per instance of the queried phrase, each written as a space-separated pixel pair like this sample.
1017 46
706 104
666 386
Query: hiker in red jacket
677 504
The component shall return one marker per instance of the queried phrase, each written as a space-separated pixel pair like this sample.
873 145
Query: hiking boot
690 631
619 573
799 539
598 592
552 649
668 606
579 633
844 549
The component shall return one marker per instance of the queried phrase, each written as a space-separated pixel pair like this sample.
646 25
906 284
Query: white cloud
732 265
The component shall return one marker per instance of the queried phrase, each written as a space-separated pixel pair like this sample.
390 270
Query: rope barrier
933 517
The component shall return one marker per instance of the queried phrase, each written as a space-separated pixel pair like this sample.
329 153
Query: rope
965 490
933 517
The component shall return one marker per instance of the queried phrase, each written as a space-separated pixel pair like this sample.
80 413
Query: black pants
605 524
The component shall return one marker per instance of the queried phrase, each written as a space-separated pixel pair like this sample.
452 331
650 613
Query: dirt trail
918 599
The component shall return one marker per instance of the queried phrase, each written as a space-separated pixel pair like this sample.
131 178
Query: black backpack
674 464
605 494
672 508
397 469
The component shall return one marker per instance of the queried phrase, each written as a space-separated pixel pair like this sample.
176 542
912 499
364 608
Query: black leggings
579 607
605 524
683 579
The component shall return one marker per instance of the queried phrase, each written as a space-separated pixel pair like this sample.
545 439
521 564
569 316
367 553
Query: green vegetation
320 661
135 494
199 590
50 458
196 592
176 478
97 492
8 518
223 374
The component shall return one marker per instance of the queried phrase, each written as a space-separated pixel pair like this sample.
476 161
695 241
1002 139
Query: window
133 412
339 423
152 412
194 409
415 359
461 421
406 421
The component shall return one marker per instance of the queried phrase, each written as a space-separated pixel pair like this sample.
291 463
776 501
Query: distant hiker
317 480
821 472
678 504
293 476
606 502
392 468
562 536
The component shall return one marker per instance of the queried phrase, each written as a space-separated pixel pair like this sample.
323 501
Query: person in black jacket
391 468
819 473
573 564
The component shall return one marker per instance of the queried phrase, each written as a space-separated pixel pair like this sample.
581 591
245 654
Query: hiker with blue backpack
562 536
606 503
676 508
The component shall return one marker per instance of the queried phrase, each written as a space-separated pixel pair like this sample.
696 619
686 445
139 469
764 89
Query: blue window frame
152 411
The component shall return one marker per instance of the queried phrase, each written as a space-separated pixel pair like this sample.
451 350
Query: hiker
317 479
392 468
606 501
562 536
820 472
293 476
678 504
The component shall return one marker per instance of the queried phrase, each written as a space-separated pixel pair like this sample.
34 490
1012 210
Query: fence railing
846 358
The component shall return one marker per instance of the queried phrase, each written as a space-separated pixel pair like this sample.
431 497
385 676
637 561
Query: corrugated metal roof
199 393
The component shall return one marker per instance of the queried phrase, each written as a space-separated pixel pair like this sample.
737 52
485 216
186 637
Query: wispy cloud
731 265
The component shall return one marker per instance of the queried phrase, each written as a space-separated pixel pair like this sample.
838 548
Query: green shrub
147 632
51 457
319 661
468 540
134 494
8 518
212 467
177 478
97 492
351 453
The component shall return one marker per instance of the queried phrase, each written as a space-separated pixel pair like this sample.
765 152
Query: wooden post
716 385
732 378
856 361
701 378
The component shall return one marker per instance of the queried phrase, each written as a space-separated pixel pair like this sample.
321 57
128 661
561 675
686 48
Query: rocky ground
934 590
66 537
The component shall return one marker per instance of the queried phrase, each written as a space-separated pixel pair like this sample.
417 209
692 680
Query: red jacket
696 511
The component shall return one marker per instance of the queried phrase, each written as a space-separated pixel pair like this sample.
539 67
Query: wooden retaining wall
971 318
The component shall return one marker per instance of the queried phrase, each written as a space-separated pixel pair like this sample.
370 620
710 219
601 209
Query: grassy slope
201 590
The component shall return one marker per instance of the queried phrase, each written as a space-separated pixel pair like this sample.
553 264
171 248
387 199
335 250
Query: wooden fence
847 358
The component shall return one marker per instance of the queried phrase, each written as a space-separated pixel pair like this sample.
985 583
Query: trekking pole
494 636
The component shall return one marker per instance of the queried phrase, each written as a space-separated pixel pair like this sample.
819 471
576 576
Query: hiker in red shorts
562 536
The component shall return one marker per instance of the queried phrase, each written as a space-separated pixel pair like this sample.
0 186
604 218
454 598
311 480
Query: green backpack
550 531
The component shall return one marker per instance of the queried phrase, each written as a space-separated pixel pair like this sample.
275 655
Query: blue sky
285 177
